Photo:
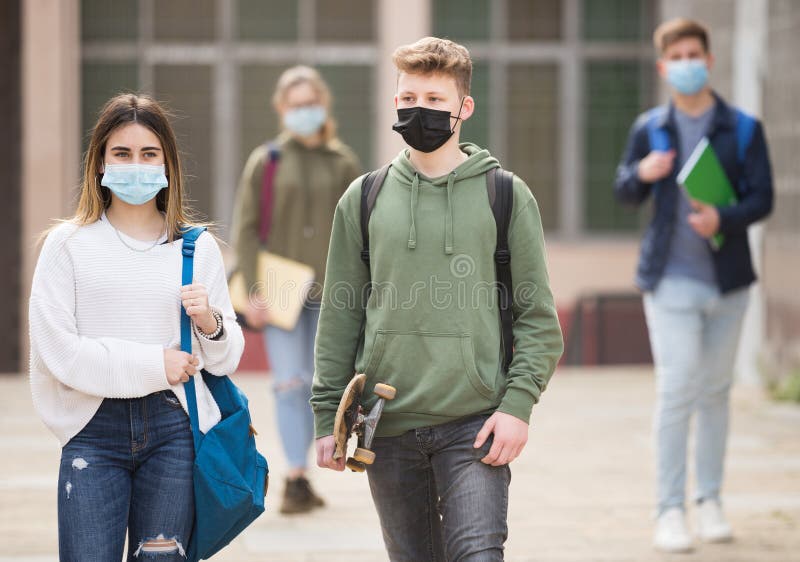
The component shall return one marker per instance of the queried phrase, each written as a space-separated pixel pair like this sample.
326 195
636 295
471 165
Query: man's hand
705 219
325 447
510 437
656 165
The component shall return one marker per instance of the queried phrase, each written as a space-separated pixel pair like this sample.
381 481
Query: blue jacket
751 178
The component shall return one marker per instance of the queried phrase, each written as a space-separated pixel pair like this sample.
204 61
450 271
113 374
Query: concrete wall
781 277
50 127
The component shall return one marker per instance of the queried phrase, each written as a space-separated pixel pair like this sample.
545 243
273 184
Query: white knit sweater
101 315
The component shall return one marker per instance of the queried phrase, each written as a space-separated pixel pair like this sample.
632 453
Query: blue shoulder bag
230 476
659 138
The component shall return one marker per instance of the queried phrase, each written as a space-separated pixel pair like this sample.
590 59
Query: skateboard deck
351 419
347 414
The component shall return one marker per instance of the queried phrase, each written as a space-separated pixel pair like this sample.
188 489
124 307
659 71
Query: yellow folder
282 288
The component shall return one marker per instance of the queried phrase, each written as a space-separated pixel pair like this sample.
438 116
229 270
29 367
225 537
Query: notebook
282 288
705 180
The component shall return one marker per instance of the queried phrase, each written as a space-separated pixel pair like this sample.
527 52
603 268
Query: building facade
557 84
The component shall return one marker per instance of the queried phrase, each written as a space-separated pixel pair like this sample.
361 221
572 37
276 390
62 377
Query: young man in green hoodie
430 326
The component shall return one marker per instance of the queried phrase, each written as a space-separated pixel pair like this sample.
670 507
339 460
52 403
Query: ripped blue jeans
129 469
291 358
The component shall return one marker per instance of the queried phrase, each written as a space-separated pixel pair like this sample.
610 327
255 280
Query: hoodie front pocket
434 373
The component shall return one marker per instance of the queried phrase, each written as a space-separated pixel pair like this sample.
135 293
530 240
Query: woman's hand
194 298
179 365
256 316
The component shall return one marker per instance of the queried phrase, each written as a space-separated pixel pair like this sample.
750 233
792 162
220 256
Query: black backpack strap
370 187
500 188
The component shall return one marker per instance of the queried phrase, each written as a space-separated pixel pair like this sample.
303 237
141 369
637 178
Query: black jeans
435 498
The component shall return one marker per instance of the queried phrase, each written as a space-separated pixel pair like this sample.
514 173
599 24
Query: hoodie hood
478 162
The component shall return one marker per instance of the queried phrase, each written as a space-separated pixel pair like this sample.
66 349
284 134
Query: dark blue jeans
129 468
435 498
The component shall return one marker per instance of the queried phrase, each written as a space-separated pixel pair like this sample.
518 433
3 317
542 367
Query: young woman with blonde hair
306 169
106 367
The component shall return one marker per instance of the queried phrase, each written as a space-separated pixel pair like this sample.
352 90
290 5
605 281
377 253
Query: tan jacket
307 185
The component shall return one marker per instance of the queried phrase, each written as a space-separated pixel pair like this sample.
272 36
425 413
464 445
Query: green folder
704 179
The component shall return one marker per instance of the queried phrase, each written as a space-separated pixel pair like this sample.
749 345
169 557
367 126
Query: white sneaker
711 523
671 533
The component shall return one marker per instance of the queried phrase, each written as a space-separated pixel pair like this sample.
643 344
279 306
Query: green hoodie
431 323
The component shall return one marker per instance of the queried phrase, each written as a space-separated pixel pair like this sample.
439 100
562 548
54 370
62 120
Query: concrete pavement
582 490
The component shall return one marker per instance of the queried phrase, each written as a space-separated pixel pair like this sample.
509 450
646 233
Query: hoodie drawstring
412 233
448 225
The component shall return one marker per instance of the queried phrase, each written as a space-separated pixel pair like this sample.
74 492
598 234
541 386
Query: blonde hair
302 74
119 111
432 55
674 30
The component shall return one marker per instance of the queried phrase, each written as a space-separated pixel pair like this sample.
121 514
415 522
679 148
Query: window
616 92
267 20
109 20
187 91
100 82
532 151
553 108
185 20
259 122
617 20
461 20
534 20
345 20
219 80
351 86
476 128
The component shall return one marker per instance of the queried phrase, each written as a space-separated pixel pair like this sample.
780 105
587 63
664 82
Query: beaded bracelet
215 334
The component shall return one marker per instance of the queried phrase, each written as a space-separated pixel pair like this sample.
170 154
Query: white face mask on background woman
136 184
305 121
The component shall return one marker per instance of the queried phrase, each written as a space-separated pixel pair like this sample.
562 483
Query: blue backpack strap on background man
659 138
745 125
657 135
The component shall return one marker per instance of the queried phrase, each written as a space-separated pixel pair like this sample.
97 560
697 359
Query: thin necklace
141 250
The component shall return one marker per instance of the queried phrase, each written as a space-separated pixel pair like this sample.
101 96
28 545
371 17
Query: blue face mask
136 184
305 121
687 76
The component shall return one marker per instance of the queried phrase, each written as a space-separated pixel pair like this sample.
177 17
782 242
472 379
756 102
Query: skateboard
351 419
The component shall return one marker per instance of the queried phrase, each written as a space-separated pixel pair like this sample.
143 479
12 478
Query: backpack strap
370 187
656 134
190 237
268 190
745 125
500 188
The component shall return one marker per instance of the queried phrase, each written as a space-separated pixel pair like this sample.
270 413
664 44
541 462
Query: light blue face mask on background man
305 121
687 76
136 184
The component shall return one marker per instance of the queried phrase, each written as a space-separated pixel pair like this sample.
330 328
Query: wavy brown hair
119 111
432 55
676 29
301 74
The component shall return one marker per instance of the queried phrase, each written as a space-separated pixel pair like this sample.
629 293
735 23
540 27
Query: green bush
787 388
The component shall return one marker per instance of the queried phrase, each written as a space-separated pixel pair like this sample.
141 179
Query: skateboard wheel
364 456
355 466
385 391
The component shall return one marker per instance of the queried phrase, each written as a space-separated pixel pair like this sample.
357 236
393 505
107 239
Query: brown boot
306 485
296 498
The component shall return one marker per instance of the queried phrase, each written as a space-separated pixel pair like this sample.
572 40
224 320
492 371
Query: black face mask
425 129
